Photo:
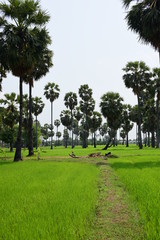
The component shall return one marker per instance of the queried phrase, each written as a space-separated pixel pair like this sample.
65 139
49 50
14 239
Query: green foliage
38 135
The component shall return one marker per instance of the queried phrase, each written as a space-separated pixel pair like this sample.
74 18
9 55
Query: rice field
57 197
47 200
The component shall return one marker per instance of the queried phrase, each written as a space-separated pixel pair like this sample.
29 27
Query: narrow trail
116 217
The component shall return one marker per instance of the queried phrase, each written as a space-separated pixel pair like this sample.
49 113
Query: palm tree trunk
51 124
157 133
36 134
11 146
148 139
127 145
94 139
72 127
17 156
153 139
30 124
139 125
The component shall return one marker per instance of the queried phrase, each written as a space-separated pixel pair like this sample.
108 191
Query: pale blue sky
91 45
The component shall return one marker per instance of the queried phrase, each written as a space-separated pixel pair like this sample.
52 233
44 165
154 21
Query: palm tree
70 101
111 108
126 122
51 92
57 124
10 117
137 76
87 105
37 108
156 86
22 20
58 135
95 122
40 69
65 117
143 18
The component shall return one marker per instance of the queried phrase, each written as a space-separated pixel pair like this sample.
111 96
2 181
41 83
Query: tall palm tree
22 20
95 122
156 83
87 105
143 17
70 101
126 122
57 123
37 108
51 92
40 69
137 76
111 108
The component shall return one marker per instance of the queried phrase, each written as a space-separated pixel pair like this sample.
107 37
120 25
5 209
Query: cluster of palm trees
24 42
24 51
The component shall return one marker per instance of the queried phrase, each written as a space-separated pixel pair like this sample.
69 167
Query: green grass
139 171
63 198
47 200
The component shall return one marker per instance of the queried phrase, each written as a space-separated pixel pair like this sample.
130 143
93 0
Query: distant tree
37 108
58 135
103 129
44 132
57 123
65 117
51 92
137 76
65 137
70 101
36 134
126 121
111 108
9 119
156 85
123 135
95 122
87 105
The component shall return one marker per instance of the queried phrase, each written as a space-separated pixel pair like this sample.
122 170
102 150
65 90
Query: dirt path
116 216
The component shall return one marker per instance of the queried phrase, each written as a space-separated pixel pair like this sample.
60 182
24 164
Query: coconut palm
51 92
137 76
70 101
37 108
22 20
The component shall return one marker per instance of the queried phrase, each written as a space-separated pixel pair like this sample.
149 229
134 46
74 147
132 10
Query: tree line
24 46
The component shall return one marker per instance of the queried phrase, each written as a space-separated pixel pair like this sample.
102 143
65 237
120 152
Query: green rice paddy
57 197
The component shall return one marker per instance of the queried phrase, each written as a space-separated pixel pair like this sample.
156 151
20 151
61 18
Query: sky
91 44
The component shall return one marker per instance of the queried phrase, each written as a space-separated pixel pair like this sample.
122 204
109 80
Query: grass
63 198
139 171
47 200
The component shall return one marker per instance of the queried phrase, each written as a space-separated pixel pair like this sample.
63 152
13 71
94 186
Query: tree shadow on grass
139 165
4 162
